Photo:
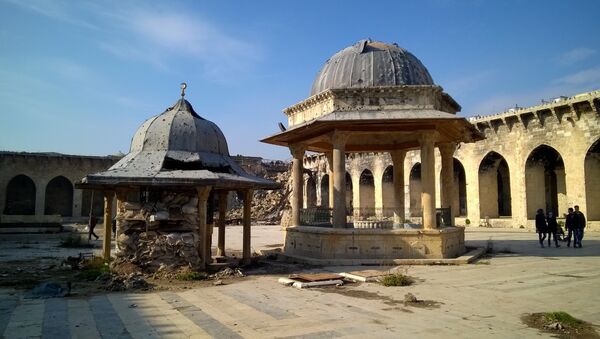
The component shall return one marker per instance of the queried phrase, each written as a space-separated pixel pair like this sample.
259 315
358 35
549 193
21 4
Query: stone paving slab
484 299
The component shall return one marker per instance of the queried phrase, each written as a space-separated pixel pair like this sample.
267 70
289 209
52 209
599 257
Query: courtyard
486 298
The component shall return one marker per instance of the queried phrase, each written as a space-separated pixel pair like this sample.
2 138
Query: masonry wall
568 129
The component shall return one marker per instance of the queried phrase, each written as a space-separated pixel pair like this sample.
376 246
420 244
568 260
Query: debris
286 281
322 283
218 283
364 276
134 281
132 306
410 298
228 273
47 290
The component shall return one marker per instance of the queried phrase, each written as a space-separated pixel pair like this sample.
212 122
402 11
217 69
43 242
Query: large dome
179 128
370 64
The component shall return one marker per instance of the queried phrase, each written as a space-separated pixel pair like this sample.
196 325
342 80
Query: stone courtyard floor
485 299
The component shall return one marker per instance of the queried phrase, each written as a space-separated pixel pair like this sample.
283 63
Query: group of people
547 226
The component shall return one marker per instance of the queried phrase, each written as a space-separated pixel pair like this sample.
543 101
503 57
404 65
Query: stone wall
552 152
162 231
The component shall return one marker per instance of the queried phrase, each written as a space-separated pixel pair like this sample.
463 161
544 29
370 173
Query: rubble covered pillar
338 142
399 201
203 251
221 223
108 204
427 142
448 187
297 182
246 244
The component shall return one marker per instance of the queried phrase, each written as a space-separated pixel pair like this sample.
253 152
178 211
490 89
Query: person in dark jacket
552 229
91 225
540 226
570 226
579 222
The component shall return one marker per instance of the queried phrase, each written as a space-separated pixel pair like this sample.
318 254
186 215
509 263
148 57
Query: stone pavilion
177 169
374 97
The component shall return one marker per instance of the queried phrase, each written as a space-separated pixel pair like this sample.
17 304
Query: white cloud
576 55
65 11
588 76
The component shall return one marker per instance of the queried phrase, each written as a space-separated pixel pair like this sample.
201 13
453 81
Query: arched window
59 197
415 189
592 181
20 196
325 191
460 182
311 192
545 181
494 187
367 194
387 191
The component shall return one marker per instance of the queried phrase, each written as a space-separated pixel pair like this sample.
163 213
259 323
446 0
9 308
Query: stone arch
325 191
592 181
545 181
367 193
93 199
59 197
415 189
311 192
20 196
494 186
349 199
460 182
387 191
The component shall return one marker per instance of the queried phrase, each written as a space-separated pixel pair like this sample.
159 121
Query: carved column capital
447 149
427 136
339 138
297 150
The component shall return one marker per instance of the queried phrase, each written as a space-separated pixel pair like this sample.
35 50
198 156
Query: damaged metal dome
371 64
178 148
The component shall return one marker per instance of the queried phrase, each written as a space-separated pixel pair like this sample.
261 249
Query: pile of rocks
163 232
267 206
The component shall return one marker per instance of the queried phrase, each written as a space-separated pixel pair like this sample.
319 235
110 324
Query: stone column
121 198
246 244
338 142
108 205
330 176
398 166
448 188
427 141
203 251
297 182
221 223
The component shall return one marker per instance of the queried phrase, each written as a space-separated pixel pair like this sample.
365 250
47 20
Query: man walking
570 225
91 225
579 221
540 226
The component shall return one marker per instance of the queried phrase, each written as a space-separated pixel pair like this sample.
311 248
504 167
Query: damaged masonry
177 171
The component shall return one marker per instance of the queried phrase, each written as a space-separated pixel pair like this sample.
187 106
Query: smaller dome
179 128
371 64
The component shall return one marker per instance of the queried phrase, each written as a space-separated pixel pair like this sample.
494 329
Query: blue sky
80 77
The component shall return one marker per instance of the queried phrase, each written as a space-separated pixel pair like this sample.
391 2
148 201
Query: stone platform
350 246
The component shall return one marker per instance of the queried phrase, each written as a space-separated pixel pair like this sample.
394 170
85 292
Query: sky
79 77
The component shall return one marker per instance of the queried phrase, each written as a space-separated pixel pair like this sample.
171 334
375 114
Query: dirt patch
410 301
562 329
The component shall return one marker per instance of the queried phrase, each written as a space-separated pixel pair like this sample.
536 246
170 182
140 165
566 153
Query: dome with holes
371 64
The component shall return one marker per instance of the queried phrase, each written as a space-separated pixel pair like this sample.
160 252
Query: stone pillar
246 244
77 203
221 223
448 190
338 141
377 171
203 251
108 206
427 142
297 183
121 198
398 166
330 176
40 197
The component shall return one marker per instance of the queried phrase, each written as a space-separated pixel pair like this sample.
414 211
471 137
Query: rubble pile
133 281
161 232
267 206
